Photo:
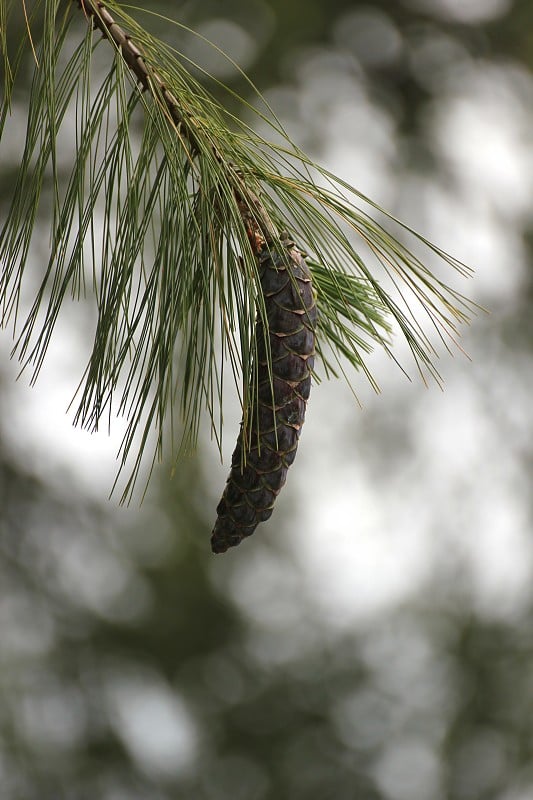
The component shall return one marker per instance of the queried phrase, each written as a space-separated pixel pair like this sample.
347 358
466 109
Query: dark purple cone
279 400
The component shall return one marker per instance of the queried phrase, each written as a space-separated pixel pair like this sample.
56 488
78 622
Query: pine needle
147 194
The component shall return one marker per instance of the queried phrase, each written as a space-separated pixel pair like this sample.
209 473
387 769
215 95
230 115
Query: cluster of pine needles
135 171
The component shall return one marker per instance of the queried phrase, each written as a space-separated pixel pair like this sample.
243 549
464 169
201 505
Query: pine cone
278 409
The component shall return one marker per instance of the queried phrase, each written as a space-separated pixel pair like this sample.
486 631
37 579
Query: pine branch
253 212
179 222
147 77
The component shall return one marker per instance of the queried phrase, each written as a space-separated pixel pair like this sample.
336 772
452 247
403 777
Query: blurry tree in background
379 643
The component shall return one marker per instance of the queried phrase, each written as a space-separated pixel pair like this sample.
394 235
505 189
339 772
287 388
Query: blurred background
374 640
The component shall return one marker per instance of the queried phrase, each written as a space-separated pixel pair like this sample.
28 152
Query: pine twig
285 341
252 210
189 257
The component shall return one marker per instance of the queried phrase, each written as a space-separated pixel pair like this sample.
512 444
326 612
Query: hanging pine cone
278 405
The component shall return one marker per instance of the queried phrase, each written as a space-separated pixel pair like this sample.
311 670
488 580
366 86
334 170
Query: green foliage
144 194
